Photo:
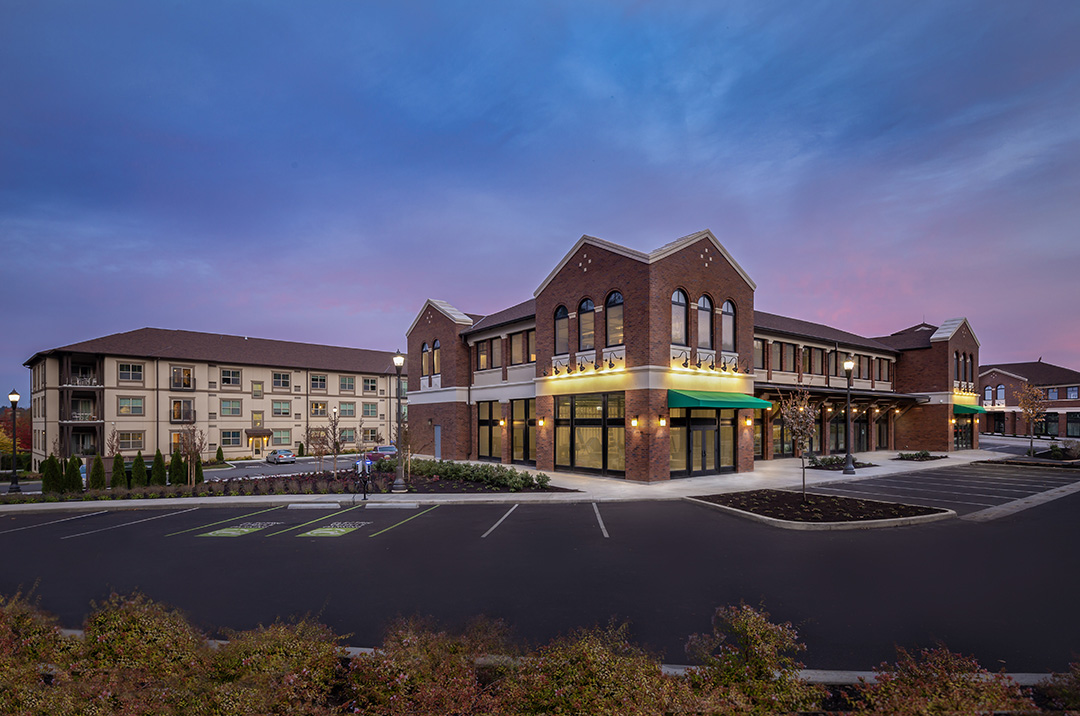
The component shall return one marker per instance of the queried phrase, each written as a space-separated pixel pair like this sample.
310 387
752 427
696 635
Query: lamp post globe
14 396
849 461
399 478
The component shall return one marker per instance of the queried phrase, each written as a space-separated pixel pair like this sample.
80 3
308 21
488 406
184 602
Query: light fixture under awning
959 409
713 399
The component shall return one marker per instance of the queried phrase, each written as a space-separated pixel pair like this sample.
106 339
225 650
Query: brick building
655 365
999 384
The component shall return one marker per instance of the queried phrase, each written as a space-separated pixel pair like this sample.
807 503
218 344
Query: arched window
679 308
613 314
988 394
424 357
586 325
956 366
704 323
727 326
562 330
1001 393
435 358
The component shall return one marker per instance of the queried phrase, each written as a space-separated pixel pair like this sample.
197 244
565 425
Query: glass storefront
702 441
489 432
590 433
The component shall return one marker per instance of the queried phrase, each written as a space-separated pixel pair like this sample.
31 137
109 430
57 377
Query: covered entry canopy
713 399
967 409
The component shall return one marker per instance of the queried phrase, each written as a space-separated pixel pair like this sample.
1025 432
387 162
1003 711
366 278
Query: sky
313 171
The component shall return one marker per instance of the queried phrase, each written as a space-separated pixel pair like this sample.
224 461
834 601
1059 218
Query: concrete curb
828 526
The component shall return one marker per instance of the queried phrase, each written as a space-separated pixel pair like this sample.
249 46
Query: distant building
655 365
999 384
247 395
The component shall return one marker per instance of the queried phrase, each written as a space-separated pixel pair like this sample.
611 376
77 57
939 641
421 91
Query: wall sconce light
429 422
749 422
634 421
898 411
953 421
556 370
663 421
712 364
598 364
686 363
502 422
699 362
581 367
540 422
611 362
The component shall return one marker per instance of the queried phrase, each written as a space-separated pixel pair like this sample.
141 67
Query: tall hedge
118 479
157 470
177 471
96 479
52 478
138 471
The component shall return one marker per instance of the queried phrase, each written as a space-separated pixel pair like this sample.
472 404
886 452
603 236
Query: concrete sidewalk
785 473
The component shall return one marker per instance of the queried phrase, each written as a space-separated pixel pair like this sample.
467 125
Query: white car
279 456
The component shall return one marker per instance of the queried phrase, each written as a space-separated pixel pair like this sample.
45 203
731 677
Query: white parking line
931 483
54 522
893 495
966 493
499 522
158 517
599 519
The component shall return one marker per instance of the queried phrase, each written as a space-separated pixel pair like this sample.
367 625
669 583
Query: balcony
185 383
80 416
179 417
80 381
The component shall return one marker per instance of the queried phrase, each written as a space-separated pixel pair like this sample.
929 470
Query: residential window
1051 393
318 382
759 354
347 410
182 378
230 376
1073 393
424 359
281 408
318 409
347 384
435 366
230 438
727 326
230 407
131 440
369 435
864 367
789 357
489 432
613 315
586 322
482 355
348 435
496 352
370 385
182 411
988 394
679 318
282 437
256 389
776 355
281 380
704 323
256 418
1001 393
1072 425
370 410
882 369
130 406
131 371
562 331
530 344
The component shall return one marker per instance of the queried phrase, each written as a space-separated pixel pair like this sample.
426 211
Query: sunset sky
313 171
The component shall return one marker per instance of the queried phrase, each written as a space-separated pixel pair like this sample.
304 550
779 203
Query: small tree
192 443
177 471
52 479
800 417
157 470
112 443
119 474
333 436
1033 404
138 471
72 476
198 471
219 456
96 480
317 444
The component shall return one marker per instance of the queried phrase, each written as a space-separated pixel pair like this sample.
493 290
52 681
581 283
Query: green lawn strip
318 519
403 522
231 519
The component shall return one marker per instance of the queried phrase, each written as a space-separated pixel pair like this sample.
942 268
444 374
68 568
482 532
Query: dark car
280 456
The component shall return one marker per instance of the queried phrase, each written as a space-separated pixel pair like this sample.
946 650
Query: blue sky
313 171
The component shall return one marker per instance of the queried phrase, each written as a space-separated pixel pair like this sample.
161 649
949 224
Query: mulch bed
840 466
435 486
921 459
787 505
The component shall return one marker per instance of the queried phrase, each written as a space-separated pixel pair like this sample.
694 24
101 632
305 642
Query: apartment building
650 366
246 395
1000 383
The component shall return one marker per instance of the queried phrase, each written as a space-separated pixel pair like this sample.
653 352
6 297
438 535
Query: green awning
967 409
713 399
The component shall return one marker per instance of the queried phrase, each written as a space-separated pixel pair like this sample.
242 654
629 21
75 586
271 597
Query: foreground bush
492 474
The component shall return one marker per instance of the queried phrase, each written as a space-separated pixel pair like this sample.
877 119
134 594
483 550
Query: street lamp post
849 461
13 396
399 480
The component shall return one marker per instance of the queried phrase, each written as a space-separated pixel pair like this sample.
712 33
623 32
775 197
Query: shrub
487 473
748 663
1063 690
938 681
1072 449
29 638
157 470
300 449
118 479
96 479
52 480
72 476
138 471
219 456
198 470
826 460
177 469
1056 452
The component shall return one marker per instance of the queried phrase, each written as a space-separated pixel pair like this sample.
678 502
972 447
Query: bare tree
112 443
1033 404
317 443
192 443
335 435
800 418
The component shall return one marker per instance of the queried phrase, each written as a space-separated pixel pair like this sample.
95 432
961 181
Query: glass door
702 450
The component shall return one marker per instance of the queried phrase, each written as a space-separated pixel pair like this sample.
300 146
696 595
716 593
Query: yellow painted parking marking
231 519
318 519
402 522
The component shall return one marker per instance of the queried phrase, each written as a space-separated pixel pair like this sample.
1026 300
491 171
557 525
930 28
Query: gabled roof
649 258
152 343
525 310
444 308
921 335
1037 372
772 323
950 327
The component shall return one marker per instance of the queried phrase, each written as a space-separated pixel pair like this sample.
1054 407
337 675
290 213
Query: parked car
383 452
279 456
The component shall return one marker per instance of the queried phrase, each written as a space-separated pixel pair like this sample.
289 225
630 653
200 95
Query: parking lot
974 491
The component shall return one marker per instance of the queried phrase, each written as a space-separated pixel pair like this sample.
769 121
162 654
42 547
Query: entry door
438 442
702 450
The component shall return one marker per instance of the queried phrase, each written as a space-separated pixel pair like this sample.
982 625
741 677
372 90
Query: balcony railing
182 384
80 416
182 416
81 381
